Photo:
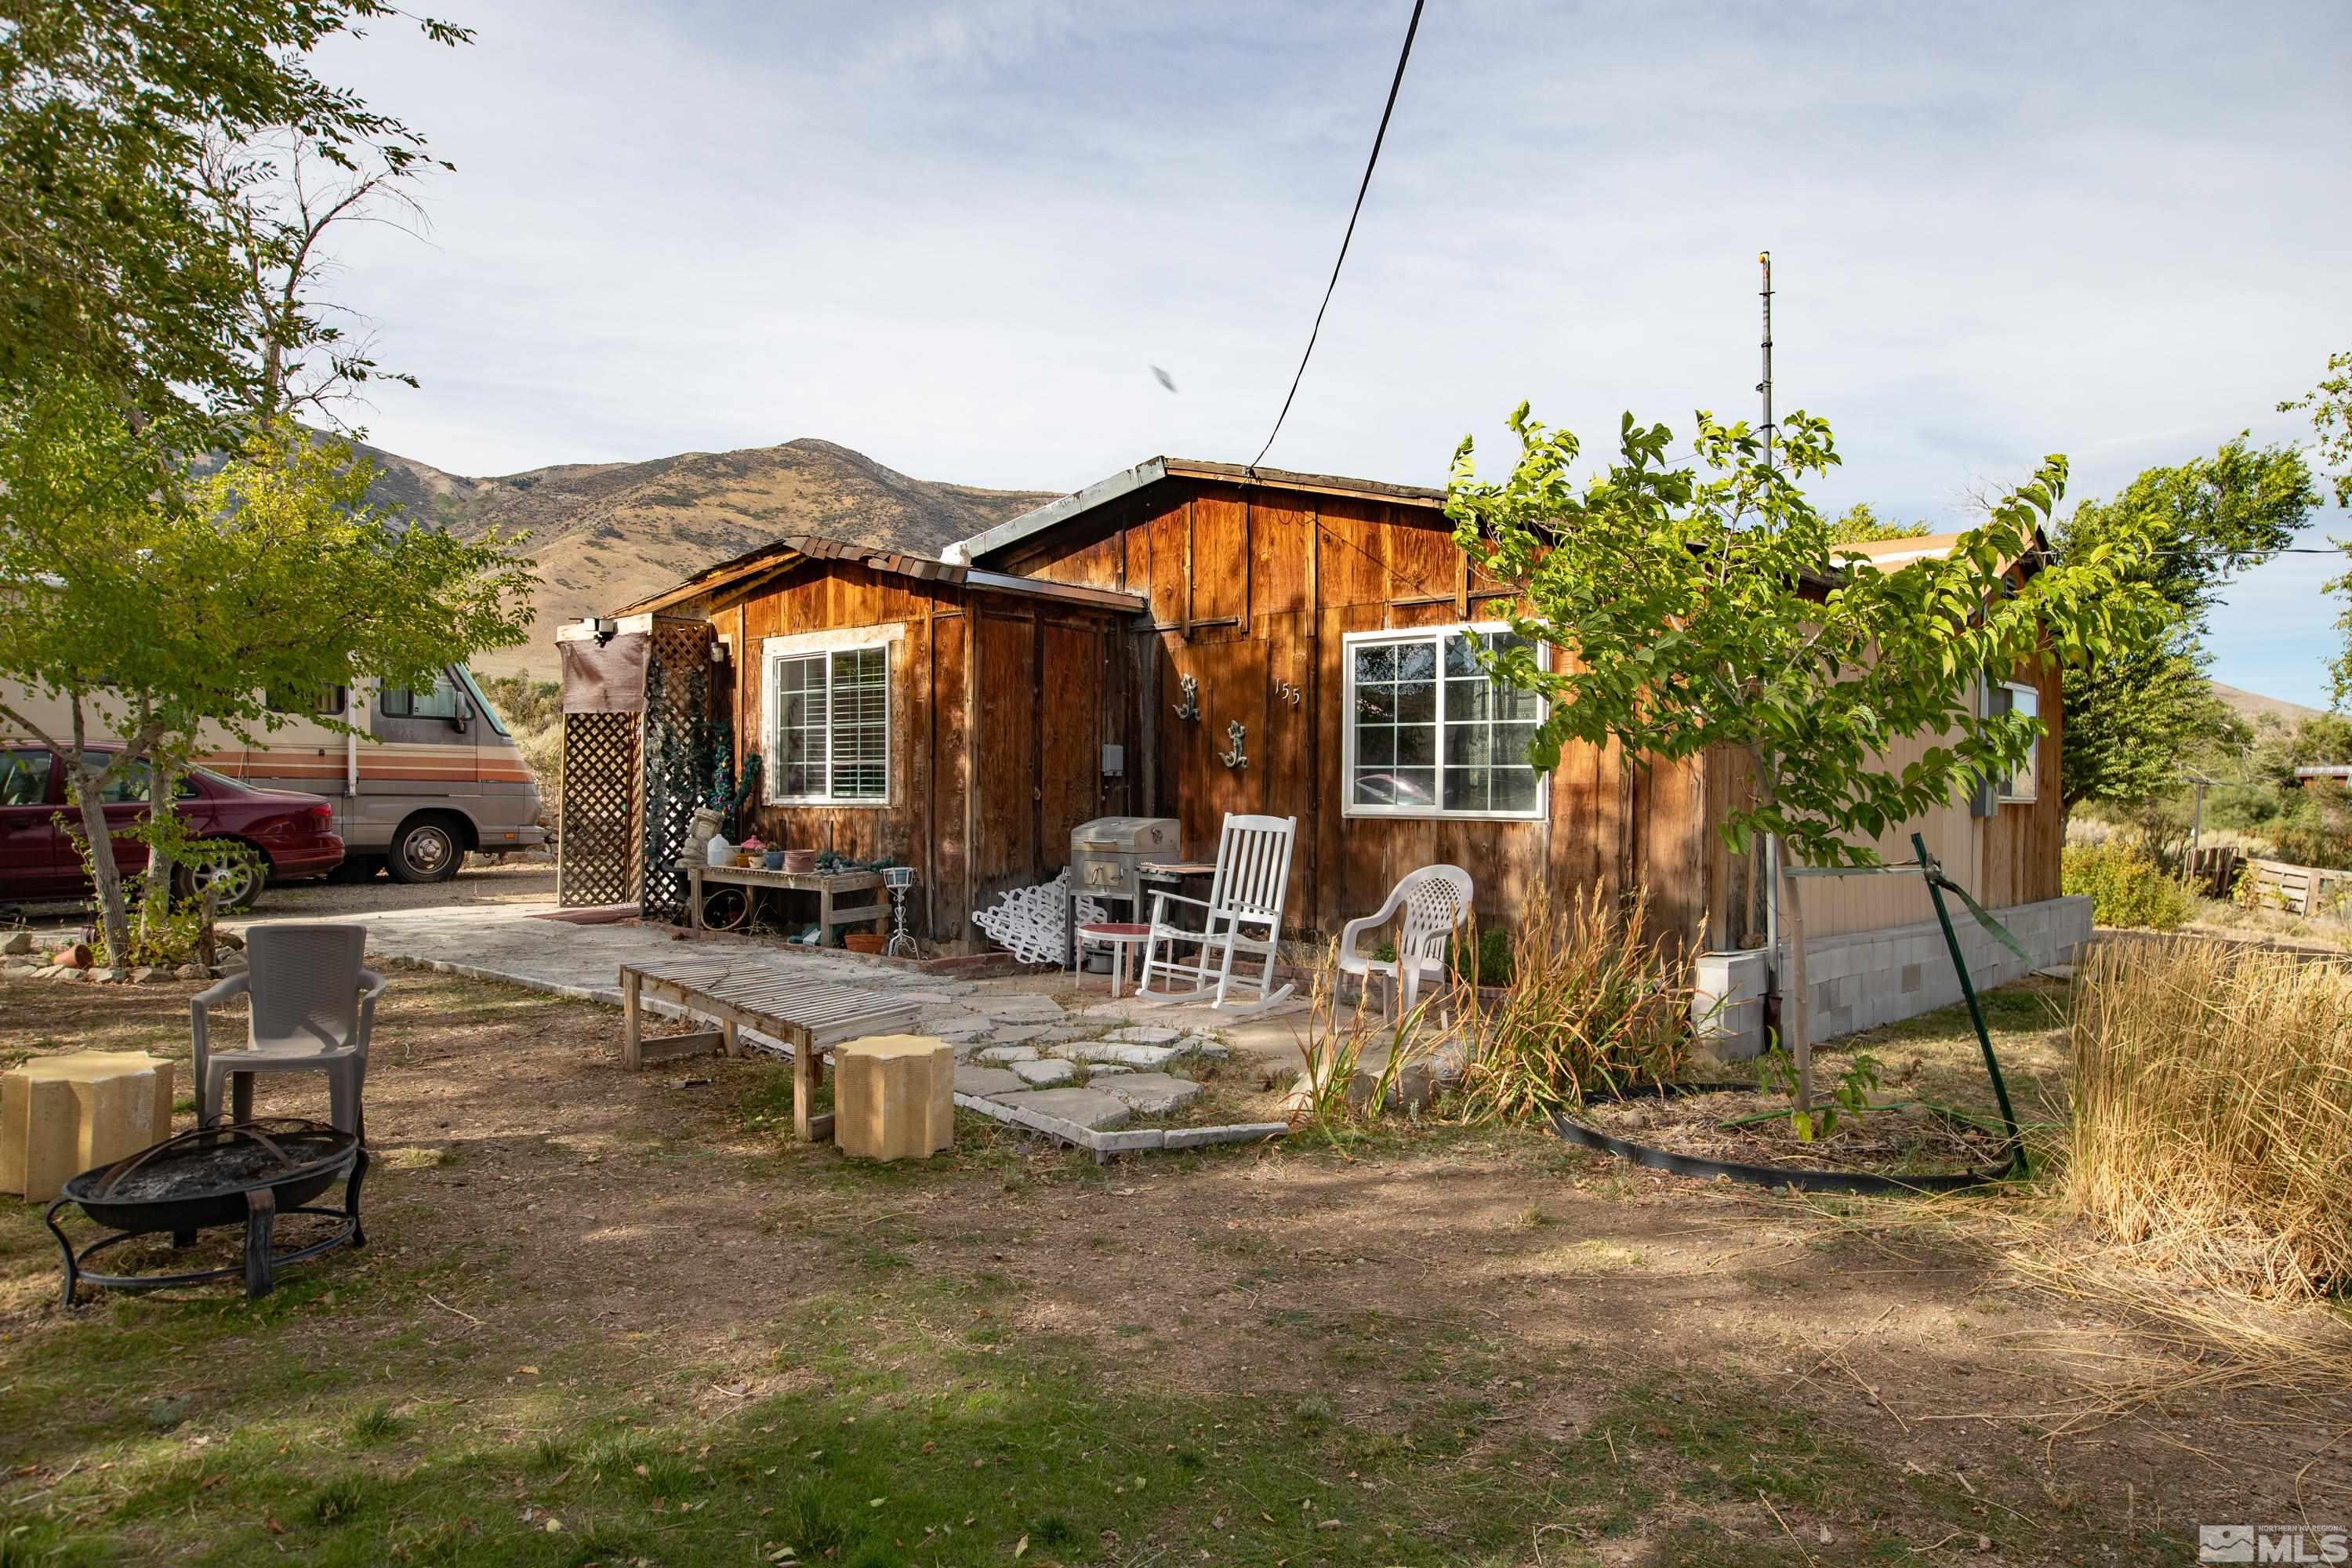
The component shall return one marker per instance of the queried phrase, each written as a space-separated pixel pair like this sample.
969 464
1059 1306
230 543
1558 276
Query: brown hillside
606 533
2253 707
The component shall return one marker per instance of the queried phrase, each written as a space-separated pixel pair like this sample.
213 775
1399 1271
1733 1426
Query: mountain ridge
606 533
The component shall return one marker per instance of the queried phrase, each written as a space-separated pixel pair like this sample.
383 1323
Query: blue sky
956 237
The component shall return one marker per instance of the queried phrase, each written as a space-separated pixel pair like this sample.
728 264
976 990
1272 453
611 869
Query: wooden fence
2306 890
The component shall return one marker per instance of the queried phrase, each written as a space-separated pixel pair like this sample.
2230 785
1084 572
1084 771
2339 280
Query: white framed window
828 724
2010 696
1428 733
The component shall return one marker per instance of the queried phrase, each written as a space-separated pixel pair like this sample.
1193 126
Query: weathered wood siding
999 703
1251 591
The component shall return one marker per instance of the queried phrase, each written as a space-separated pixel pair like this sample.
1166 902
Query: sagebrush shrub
2124 886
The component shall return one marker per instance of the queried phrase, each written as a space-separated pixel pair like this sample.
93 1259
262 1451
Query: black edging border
1856 1184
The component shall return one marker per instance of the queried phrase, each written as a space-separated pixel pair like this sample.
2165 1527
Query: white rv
439 776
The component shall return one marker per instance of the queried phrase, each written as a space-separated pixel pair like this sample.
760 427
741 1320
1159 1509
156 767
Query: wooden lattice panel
677 755
596 857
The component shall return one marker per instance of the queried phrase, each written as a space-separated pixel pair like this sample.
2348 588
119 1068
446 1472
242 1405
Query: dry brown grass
1595 1006
2212 1129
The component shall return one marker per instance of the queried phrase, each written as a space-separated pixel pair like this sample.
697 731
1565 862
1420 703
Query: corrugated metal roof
743 575
1055 513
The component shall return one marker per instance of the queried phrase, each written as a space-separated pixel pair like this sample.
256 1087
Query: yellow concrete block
61 1115
894 1097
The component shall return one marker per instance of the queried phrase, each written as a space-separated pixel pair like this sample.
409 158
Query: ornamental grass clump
2212 1129
1596 1005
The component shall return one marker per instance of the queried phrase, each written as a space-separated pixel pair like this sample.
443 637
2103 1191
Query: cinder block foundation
1864 979
1867 978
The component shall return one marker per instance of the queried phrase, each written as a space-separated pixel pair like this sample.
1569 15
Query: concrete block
1004 1056
986 1081
1044 1073
1239 1133
1133 1140
893 1097
1145 1034
64 1115
1152 1093
1090 1109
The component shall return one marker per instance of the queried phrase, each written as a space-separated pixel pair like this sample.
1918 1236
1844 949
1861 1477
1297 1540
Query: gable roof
1893 554
742 576
1151 470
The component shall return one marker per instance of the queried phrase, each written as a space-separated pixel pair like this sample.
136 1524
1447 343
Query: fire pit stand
255 1171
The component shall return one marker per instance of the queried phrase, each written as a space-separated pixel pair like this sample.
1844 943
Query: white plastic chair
313 1009
1243 913
1436 903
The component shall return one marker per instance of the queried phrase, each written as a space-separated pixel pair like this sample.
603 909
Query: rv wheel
426 849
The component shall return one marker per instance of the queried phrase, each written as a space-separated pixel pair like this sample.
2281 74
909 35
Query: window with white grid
1429 734
831 727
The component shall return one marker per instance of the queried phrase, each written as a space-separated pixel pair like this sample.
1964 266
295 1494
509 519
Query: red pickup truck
292 832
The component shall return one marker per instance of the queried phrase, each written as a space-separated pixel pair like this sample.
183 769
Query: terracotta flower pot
863 942
800 860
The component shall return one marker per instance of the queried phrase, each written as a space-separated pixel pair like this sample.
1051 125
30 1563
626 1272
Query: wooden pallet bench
810 1017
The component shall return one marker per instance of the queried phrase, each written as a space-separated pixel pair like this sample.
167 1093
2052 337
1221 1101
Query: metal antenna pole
1765 387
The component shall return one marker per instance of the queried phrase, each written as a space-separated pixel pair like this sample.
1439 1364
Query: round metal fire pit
249 1174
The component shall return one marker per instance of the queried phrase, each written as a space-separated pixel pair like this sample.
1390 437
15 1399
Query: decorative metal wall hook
1190 708
1287 692
1236 758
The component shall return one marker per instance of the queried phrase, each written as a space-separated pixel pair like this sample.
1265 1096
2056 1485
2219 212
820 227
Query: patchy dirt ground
553 1239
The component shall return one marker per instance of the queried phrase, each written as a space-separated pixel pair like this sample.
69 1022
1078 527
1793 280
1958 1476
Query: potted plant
750 850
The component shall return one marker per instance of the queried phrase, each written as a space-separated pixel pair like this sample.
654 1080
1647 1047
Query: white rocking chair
1243 913
1436 904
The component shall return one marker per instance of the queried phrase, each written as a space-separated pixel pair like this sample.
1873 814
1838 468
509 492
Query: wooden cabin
1191 638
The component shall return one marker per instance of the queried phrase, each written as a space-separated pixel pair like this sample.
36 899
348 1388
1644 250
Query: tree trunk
1796 1011
156 907
112 918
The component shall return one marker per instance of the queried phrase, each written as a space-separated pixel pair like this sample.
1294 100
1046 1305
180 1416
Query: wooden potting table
827 887
811 1016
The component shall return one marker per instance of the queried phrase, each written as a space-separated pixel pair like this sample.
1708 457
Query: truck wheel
234 880
425 849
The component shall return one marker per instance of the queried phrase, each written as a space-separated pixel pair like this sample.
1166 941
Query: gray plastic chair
313 1008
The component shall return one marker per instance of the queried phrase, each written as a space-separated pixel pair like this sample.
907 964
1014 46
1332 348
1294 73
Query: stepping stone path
1025 1053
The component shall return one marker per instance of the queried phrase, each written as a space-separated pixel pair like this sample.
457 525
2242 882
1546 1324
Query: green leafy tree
155 618
1702 605
2330 407
125 256
167 173
2133 715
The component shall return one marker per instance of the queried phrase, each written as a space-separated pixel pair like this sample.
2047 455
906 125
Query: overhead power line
1369 164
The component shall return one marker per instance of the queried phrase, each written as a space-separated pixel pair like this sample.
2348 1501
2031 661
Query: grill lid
1128 835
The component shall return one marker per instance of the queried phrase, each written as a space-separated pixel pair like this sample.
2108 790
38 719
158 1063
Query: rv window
482 704
400 702
1429 734
832 726
330 700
